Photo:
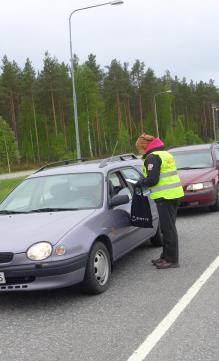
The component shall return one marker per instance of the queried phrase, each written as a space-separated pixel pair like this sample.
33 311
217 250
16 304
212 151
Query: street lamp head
164 92
116 2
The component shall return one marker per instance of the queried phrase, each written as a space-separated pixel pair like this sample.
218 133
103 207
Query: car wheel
215 206
98 270
157 240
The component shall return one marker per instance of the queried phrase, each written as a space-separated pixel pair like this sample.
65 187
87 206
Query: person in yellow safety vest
160 176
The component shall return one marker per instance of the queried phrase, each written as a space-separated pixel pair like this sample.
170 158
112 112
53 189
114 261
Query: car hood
20 231
190 176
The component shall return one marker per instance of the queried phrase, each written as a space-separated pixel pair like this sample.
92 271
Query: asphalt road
16 174
69 326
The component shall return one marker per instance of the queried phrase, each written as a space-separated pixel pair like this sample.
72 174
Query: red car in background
198 168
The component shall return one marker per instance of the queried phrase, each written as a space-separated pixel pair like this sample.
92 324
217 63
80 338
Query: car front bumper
198 199
44 275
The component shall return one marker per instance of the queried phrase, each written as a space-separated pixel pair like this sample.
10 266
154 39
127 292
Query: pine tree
9 154
10 83
114 106
164 113
137 76
95 68
116 92
180 131
90 111
170 140
28 112
48 82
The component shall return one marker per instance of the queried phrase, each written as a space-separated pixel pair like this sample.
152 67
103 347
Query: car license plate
2 277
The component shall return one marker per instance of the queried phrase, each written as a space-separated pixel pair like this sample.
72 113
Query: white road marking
150 342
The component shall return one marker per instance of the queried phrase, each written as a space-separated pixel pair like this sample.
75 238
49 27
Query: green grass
7 185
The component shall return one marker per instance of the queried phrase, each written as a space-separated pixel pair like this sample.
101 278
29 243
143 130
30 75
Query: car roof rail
176 146
62 162
179 146
116 158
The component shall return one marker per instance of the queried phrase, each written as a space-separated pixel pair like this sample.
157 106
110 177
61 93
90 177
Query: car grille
19 280
17 283
6 257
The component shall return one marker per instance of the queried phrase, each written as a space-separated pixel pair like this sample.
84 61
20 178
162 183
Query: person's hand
139 183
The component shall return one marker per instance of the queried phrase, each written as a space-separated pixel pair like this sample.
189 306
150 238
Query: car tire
98 270
157 240
215 206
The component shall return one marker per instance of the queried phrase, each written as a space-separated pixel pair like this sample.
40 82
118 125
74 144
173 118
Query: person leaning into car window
160 176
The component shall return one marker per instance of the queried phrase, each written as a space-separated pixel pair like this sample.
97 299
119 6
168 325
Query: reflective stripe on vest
168 174
162 188
169 185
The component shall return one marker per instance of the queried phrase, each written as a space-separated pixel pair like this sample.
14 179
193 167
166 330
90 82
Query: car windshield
55 193
193 159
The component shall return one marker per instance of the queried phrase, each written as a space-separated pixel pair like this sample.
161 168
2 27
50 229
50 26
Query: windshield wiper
11 212
39 210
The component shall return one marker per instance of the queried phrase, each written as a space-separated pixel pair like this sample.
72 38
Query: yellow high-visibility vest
169 185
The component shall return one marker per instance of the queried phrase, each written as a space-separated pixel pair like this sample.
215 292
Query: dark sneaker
164 265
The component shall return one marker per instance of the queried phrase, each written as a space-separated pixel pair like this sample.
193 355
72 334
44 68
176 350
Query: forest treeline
115 104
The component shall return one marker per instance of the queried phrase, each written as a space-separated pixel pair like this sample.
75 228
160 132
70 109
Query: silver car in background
68 223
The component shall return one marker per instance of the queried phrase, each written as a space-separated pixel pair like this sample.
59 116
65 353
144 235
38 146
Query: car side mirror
118 200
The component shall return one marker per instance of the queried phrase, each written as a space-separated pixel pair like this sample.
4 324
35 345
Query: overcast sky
179 35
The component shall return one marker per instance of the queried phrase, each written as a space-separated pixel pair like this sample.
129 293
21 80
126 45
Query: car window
24 194
139 167
81 191
131 176
116 186
193 159
217 154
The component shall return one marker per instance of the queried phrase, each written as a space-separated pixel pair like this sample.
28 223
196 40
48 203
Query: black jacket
152 163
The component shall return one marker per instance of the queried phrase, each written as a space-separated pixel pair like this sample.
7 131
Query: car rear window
197 159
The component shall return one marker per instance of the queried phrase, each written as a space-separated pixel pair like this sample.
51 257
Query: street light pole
215 108
74 97
155 111
216 122
214 125
155 117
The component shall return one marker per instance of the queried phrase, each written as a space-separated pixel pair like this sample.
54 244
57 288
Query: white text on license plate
2 277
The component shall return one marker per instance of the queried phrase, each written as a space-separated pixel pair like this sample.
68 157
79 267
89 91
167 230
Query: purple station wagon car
68 223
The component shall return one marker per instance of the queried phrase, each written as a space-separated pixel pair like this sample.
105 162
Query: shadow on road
38 298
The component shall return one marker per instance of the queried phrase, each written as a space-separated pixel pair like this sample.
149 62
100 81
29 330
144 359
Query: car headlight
39 251
199 186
